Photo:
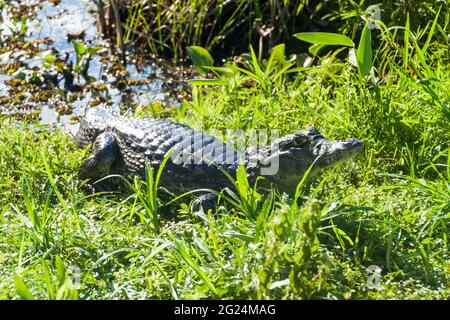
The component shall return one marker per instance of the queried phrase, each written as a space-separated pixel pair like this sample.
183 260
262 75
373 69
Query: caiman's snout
338 151
352 143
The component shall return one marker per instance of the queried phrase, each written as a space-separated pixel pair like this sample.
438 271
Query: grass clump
167 28
389 208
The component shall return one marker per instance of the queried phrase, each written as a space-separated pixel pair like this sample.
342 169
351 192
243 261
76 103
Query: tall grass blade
22 289
364 52
184 253
325 38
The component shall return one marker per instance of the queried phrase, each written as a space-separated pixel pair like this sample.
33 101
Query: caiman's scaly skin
124 146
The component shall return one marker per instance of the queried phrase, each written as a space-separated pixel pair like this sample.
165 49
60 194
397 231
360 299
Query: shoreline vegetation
375 227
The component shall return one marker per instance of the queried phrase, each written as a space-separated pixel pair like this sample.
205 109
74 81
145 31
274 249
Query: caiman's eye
284 145
303 144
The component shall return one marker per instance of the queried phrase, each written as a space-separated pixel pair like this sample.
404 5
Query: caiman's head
287 159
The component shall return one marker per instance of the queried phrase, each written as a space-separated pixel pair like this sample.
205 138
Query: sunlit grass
389 207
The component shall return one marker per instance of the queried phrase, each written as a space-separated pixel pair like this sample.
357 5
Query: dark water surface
56 22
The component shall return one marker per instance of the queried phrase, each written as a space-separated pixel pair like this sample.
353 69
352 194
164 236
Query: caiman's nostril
353 142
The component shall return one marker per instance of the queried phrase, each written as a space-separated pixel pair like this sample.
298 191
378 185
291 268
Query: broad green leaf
364 53
22 289
93 50
200 57
79 47
50 58
261 220
278 53
226 71
242 182
208 82
60 270
276 56
325 38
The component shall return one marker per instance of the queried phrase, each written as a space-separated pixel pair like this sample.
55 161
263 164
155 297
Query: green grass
166 28
389 207
345 224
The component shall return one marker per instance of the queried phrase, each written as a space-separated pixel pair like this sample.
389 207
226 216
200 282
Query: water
3 87
70 16
56 23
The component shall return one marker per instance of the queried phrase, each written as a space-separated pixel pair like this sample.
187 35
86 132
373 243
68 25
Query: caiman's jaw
290 157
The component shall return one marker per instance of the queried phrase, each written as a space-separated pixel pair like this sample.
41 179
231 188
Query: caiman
125 146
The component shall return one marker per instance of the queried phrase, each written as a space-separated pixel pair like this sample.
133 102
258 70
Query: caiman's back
125 145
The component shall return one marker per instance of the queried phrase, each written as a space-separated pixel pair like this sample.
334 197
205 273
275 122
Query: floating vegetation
72 66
